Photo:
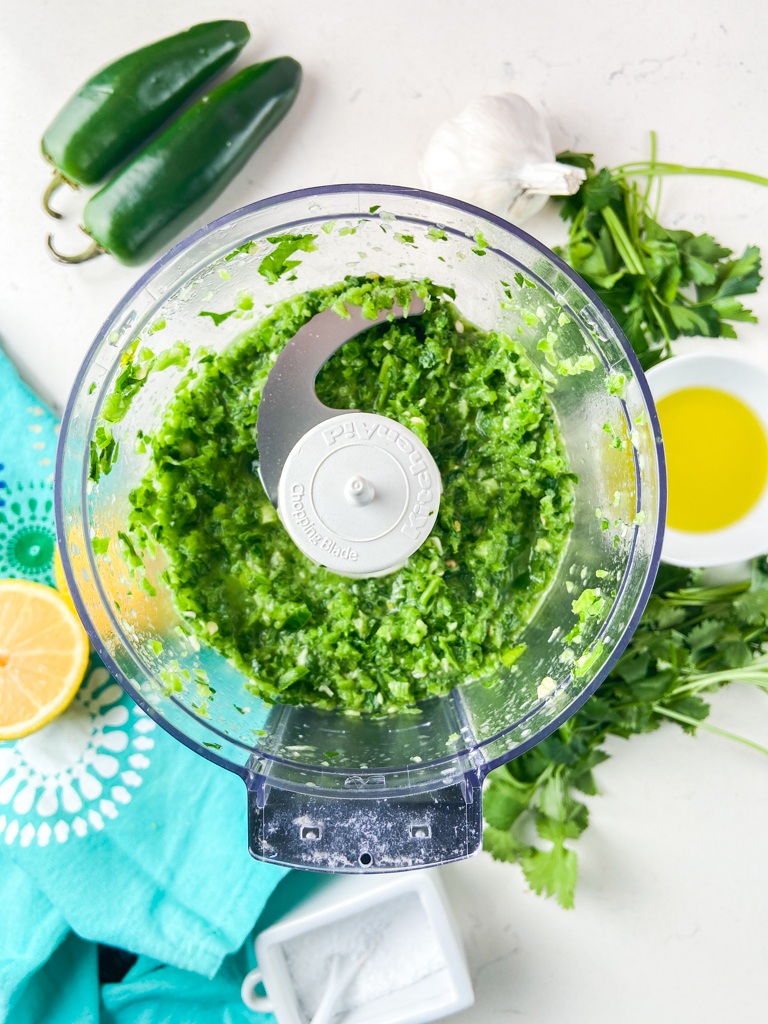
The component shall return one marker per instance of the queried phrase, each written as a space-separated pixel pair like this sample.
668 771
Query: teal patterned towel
27 454
109 828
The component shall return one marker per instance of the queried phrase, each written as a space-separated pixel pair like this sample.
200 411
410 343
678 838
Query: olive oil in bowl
717 458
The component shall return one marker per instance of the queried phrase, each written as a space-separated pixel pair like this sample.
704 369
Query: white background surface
670 919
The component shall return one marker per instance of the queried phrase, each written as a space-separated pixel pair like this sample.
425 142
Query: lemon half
43 656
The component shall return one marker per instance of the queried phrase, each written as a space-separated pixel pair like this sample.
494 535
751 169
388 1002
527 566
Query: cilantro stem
657 204
659 320
651 164
653 170
717 678
709 728
706 595
623 244
633 204
756 674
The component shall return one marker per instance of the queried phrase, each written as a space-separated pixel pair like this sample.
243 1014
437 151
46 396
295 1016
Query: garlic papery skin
497 154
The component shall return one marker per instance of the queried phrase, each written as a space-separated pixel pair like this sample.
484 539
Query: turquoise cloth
30 930
109 828
153 993
65 990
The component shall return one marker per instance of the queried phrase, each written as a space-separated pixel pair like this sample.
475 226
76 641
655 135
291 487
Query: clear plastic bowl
404 790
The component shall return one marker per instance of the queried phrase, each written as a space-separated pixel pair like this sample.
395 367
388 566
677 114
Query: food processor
330 790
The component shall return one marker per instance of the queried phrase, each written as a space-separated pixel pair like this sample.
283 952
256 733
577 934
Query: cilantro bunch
657 282
691 641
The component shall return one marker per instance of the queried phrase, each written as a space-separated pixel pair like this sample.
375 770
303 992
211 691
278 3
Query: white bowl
341 900
747 381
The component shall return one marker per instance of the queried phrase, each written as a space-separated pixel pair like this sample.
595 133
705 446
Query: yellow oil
717 458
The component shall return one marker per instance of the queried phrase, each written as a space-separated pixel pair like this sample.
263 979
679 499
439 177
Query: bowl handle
261 1004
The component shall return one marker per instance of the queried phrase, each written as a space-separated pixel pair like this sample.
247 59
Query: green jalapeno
183 170
120 107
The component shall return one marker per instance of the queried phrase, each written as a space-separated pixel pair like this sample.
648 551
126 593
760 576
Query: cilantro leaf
218 318
277 263
736 653
600 190
583 160
501 804
729 308
705 634
247 247
552 873
687 320
502 845
737 277
100 545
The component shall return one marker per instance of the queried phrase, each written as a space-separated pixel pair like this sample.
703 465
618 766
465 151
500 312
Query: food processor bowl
331 790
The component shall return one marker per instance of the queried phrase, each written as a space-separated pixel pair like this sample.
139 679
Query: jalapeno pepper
120 107
183 170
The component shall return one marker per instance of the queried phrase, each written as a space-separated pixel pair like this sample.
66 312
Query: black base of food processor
353 833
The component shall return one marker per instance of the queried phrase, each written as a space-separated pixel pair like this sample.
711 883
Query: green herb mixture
302 634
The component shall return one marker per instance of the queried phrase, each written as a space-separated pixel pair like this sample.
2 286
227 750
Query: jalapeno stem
54 185
93 250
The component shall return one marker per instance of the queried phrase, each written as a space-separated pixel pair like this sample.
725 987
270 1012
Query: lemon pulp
717 458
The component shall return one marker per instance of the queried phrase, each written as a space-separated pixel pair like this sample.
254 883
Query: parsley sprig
691 641
659 283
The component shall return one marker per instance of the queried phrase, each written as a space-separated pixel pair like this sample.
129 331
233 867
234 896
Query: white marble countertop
669 924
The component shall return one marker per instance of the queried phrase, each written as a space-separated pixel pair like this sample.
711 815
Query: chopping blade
357 492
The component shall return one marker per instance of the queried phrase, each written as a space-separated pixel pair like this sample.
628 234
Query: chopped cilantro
218 318
103 452
277 263
309 637
132 377
615 384
247 247
616 439
481 244
573 367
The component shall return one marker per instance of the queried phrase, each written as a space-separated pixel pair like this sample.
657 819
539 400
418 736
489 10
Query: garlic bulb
498 155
